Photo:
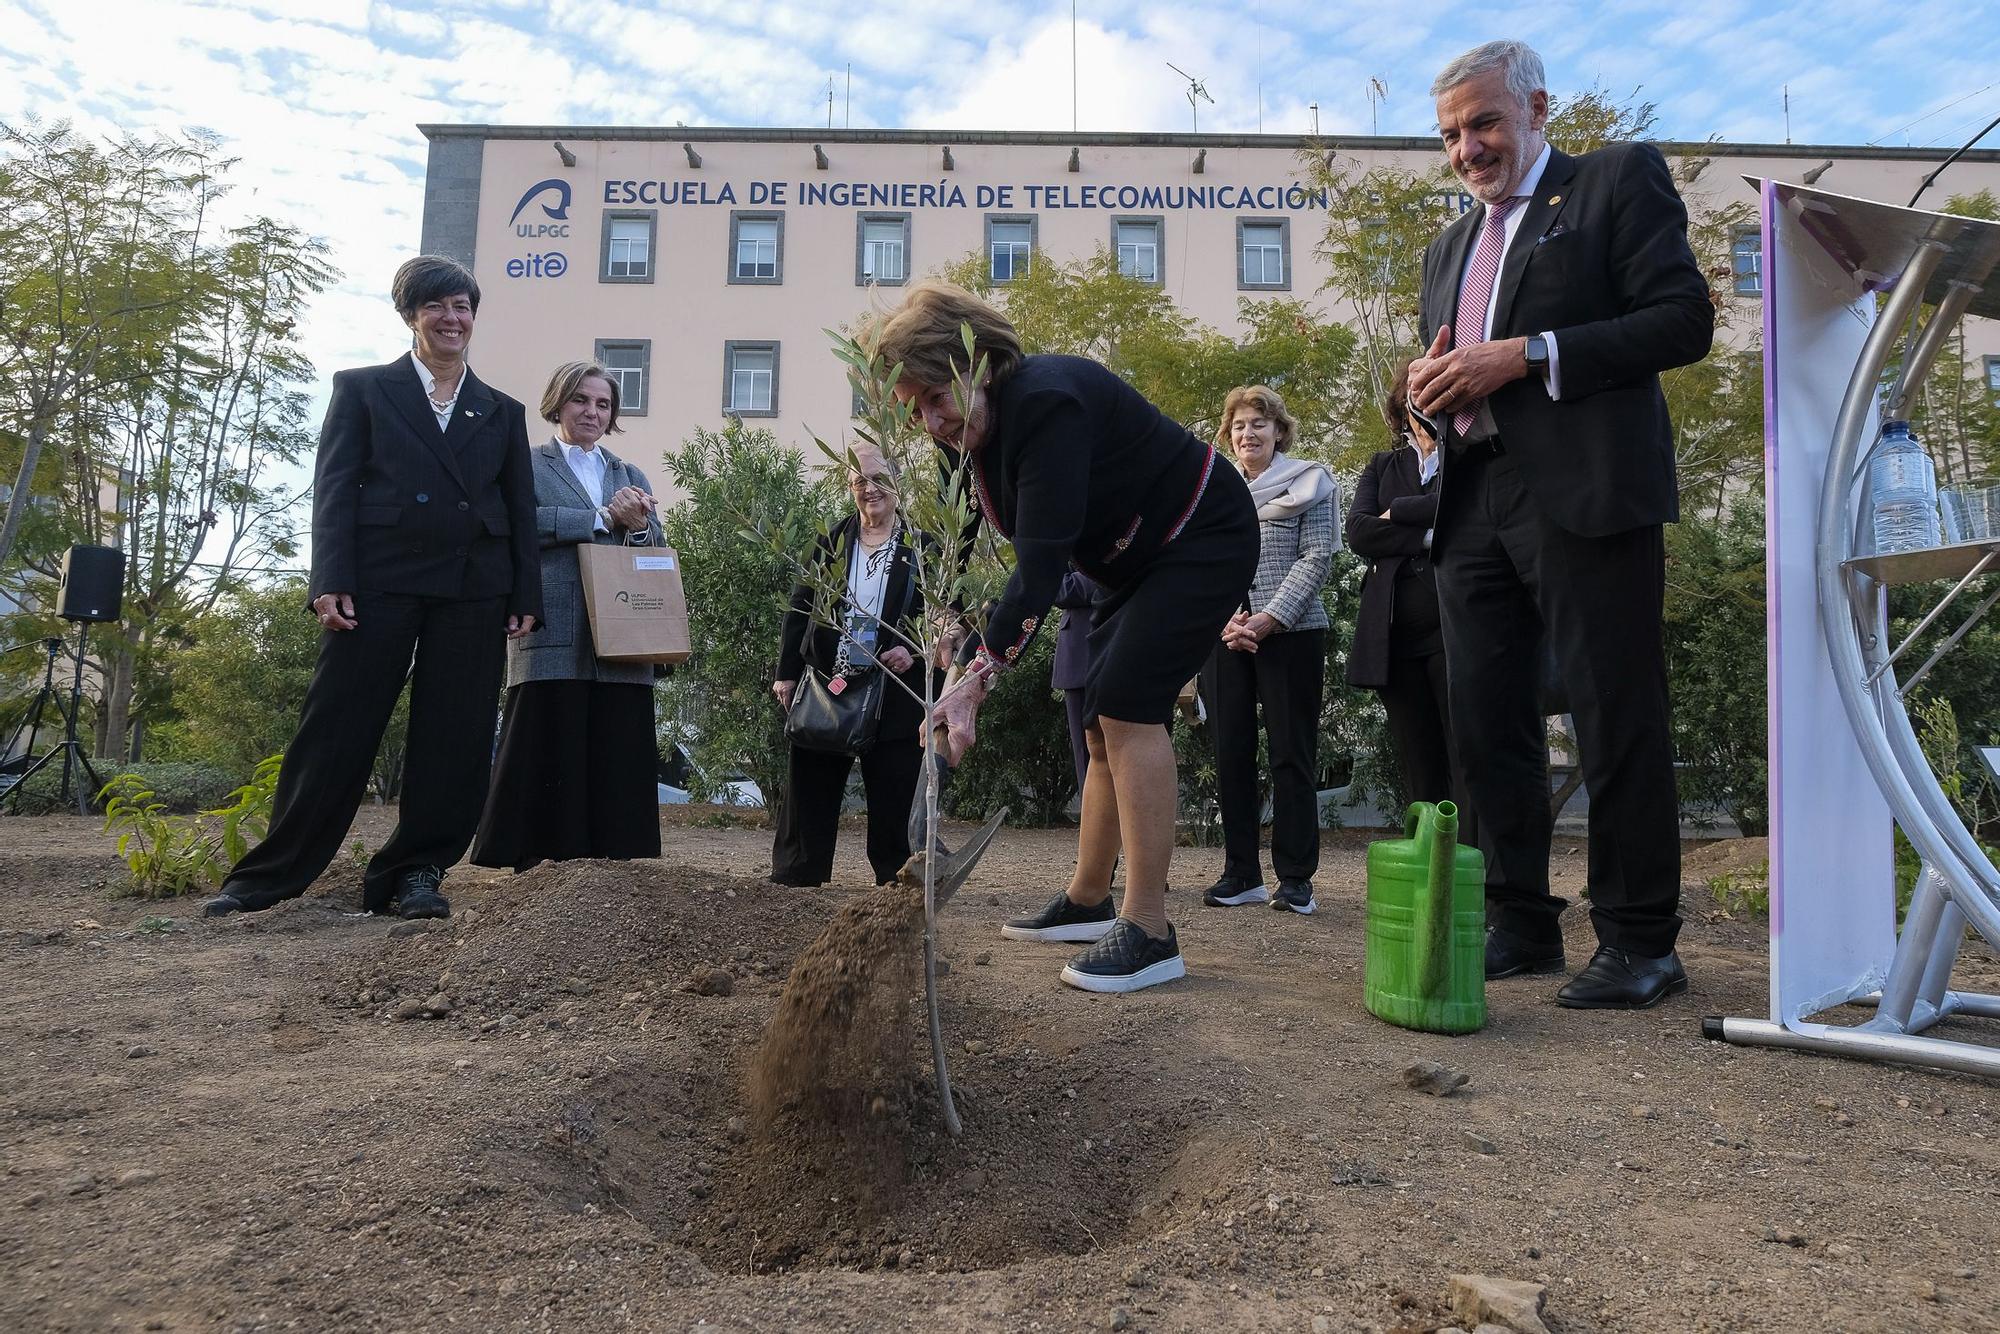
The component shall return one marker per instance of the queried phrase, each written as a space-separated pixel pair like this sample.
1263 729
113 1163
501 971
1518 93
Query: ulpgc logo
558 211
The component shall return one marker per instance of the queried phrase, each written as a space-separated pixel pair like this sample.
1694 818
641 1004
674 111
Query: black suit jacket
805 641
402 507
1392 546
1602 259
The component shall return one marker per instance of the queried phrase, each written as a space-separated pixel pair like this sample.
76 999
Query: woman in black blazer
424 564
1398 648
877 549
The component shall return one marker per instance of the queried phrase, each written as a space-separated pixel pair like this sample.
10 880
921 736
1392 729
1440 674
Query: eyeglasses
876 483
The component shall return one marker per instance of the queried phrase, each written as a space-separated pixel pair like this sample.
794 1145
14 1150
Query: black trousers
1417 701
575 776
1286 675
453 653
809 817
1504 572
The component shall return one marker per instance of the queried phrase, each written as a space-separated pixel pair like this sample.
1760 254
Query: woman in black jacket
424 565
1398 649
877 549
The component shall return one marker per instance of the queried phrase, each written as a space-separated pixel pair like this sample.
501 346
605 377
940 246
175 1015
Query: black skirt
1152 635
574 778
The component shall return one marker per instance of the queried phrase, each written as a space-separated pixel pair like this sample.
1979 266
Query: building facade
704 265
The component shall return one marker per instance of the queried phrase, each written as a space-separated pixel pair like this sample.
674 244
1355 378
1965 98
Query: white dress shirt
587 466
443 414
1551 377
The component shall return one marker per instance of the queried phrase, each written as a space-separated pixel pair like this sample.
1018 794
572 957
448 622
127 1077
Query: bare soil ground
520 1119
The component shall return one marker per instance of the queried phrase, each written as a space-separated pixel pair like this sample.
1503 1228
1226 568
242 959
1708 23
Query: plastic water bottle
1903 483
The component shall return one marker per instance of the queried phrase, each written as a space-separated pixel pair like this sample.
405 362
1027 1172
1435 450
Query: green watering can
1427 926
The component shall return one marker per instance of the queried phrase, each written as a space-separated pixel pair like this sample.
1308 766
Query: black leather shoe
417 894
1509 955
1620 980
222 905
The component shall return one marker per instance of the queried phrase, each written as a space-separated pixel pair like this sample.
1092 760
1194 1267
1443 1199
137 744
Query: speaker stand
69 748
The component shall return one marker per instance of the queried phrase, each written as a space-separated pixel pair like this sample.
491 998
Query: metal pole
1901 1048
1913 954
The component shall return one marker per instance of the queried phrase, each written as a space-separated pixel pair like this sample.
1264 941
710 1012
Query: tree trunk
17 504
118 695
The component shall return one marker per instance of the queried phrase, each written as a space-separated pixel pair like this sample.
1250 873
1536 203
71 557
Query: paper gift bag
633 596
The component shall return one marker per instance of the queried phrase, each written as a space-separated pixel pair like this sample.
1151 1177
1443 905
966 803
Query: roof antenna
1378 93
1195 89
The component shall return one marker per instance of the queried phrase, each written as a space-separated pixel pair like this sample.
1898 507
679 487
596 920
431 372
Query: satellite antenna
1378 93
1195 89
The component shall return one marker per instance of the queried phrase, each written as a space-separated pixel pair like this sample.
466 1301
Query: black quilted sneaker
1294 896
1063 920
1127 959
1230 892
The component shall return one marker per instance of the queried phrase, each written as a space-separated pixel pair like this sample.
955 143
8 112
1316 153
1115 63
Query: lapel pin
470 413
1554 200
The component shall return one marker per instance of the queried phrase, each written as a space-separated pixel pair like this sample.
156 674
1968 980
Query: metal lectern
1843 754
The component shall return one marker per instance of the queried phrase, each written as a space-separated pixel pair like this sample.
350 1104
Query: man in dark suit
424 563
1550 311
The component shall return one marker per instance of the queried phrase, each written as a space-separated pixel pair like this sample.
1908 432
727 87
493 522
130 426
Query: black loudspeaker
93 584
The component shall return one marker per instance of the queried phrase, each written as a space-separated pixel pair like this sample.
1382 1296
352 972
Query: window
882 249
1993 377
628 246
750 379
1746 261
1137 243
629 361
756 247
1009 243
1263 252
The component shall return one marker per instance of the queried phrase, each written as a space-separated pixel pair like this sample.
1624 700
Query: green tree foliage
1715 663
240 673
240 677
159 346
718 703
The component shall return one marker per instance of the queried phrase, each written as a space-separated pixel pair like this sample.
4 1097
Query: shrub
718 704
1023 759
180 789
1715 664
168 854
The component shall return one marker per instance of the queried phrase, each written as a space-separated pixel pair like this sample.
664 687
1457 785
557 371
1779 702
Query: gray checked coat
1293 561
560 650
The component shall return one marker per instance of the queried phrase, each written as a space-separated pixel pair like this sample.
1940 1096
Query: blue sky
320 98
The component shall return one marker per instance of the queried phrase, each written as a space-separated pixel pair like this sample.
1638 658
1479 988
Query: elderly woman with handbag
575 776
832 683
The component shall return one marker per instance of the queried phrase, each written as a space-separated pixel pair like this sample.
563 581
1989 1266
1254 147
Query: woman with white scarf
1273 654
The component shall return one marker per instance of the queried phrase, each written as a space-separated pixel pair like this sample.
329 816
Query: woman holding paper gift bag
575 776
876 550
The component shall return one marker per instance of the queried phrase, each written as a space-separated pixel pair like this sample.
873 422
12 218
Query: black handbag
839 722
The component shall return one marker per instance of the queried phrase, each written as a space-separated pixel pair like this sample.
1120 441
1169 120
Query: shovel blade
952 868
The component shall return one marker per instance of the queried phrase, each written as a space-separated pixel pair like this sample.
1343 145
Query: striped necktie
1478 294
